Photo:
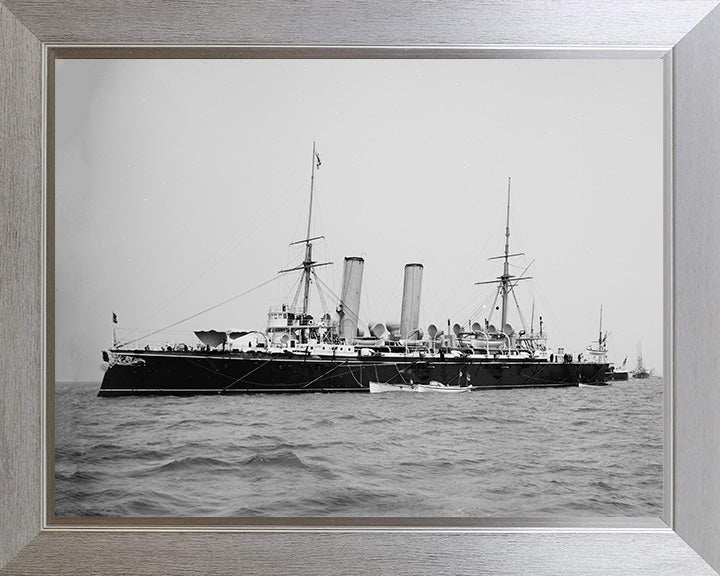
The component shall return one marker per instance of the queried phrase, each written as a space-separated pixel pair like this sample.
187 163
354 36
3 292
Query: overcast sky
180 184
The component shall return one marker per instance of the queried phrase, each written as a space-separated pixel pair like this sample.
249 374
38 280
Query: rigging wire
553 317
517 305
469 269
438 300
424 315
320 282
469 302
224 255
477 312
367 305
323 303
494 304
298 283
388 292
356 317
273 279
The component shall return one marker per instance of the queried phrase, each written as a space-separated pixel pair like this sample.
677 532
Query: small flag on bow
317 158
114 318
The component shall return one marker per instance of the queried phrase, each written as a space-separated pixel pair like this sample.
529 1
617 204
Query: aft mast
506 281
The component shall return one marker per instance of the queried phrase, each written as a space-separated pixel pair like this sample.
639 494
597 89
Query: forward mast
308 265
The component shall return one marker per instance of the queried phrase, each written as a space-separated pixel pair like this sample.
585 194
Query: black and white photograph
358 288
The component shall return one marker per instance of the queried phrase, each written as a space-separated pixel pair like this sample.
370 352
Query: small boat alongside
594 385
432 386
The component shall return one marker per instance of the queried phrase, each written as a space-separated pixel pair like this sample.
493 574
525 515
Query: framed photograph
218 272
175 182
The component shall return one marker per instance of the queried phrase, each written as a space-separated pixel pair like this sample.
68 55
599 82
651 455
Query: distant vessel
599 353
299 353
640 372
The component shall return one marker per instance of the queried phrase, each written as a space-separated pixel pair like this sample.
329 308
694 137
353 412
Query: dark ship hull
189 373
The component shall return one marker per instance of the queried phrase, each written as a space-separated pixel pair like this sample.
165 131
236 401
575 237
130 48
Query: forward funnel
350 297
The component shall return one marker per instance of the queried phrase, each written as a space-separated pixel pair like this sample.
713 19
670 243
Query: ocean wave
325 422
134 423
80 476
117 451
456 419
263 438
375 421
281 459
151 504
186 464
604 486
344 501
274 443
445 464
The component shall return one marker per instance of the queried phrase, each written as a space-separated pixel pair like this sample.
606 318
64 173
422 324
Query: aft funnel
349 308
410 312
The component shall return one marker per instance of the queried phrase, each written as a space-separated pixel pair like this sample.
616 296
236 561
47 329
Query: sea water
500 453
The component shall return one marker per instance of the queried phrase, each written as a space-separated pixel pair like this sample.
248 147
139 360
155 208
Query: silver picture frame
686 35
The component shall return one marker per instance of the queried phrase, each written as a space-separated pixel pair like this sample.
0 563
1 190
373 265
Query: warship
331 352
640 372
